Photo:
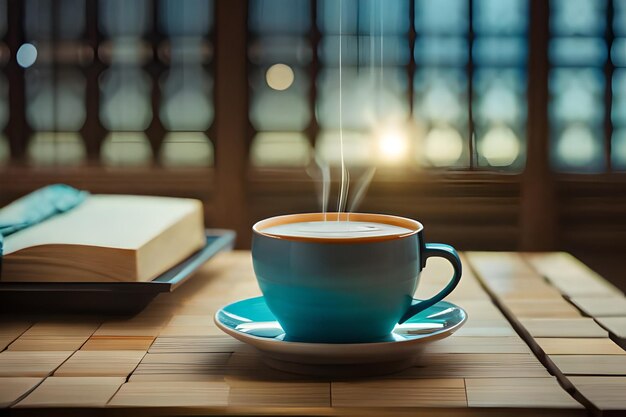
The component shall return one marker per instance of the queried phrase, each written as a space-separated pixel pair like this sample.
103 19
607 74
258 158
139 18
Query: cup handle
443 251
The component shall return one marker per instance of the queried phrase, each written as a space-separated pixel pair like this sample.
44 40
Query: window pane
186 149
500 17
578 53
56 148
55 100
443 17
279 16
125 18
125 98
186 99
619 17
126 149
365 50
365 102
279 106
577 17
186 18
364 17
280 149
500 51
359 149
40 16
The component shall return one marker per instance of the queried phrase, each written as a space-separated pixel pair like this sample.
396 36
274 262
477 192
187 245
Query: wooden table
545 336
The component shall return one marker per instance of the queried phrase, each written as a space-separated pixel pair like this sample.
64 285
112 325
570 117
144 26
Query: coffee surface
336 229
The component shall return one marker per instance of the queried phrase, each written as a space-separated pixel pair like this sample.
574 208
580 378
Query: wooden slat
569 275
175 377
278 394
608 306
500 266
249 366
72 392
482 310
14 388
475 365
101 363
128 329
191 320
118 343
183 363
54 336
487 344
199 344
192 331
615 325
485 327
571 346
49 343
33 364
10 330
542 309
449 393
518 392
171 394
574 327
590 364
605 392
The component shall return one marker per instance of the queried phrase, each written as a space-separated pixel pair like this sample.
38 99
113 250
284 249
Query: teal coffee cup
331 288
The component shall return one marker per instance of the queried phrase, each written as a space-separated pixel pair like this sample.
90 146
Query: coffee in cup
343 278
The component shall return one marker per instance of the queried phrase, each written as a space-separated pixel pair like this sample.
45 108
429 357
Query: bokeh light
443 146
189 149
577 146
280 149
392 145
279 77
500 146
26 55
126 149
56 148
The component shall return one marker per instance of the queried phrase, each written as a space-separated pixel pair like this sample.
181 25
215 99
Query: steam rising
361 188
345 175
320 170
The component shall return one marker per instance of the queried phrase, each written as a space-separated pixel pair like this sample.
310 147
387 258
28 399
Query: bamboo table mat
545 336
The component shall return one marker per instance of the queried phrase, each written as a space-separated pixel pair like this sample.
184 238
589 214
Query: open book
106 238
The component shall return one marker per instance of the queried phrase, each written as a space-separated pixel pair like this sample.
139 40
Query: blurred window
405 82
125 82
578 54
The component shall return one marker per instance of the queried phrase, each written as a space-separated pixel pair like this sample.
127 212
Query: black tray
107 297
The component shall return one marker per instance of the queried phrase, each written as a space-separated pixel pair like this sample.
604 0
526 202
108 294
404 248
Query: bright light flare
393 145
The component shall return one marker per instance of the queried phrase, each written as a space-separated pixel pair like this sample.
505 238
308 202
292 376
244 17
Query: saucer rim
246 336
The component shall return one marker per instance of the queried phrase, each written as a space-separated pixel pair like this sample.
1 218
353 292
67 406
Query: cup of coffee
344 277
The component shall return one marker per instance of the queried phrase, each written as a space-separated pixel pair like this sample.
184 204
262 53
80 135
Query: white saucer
251 322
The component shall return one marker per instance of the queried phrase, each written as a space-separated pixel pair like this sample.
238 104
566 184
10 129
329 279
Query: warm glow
443 146
392 145
279 77
500 146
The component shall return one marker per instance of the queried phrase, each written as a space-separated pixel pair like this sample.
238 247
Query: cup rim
415 226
